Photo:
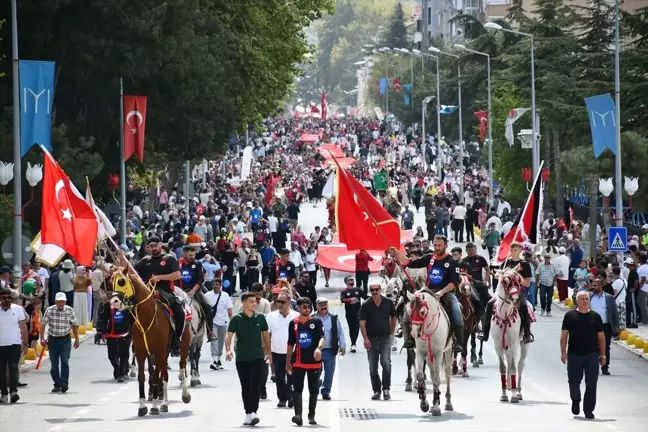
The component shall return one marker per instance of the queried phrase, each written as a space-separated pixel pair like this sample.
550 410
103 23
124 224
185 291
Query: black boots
312 404
525 322
457 345
486 323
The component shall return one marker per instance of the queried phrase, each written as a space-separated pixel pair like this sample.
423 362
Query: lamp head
492 26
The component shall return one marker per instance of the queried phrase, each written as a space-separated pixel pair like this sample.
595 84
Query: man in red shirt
362 259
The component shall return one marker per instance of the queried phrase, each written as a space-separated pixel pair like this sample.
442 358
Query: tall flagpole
122 163
17 209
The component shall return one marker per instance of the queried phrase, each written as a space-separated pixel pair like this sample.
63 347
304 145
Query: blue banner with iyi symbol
602 117
36 97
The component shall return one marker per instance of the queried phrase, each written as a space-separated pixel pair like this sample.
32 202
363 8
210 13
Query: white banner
247 163
379 113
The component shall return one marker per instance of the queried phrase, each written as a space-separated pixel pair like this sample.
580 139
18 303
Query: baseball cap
628 261
561 249
60 296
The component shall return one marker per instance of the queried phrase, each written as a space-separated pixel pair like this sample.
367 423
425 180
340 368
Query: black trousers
577 365
265 371
283 380
313 389
353 321
470 234
362 280
312 277
458 228
249 373
243 285
607 331
9 359
118 352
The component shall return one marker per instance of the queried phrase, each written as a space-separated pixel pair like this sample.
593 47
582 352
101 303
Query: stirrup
527 339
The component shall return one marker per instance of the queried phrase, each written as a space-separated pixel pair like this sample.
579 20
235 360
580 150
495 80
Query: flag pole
122 164
341 172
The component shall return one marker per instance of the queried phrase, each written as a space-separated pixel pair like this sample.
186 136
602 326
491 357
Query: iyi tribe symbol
139 117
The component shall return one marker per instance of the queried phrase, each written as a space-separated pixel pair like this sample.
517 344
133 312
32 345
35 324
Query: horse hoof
408 387
436 411
455 371
480 361
155 411
449 407
515 399
193 383
186 399
475 364
465 374
164 408
425 406
142 412
504 398
150 399
132 374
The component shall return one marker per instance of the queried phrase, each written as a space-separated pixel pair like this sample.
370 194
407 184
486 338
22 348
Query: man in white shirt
295 257
279 325
459 217
222 305
13 341
562 265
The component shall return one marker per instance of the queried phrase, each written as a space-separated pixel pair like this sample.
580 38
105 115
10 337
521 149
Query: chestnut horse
151 333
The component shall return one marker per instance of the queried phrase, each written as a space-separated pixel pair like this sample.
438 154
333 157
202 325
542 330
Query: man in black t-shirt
162 270
583 329
192 277
304 358
478 269
442 279
352 297
282 269
524 269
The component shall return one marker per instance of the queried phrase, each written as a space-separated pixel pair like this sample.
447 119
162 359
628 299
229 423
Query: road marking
83 411
106 399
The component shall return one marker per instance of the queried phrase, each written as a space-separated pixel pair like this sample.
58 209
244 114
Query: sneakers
14 397
263 395
4 398
575 407
254 419
605 371
248 418
353 348
326 396
542 313
56 389
297 420
548 314
217 365
386 395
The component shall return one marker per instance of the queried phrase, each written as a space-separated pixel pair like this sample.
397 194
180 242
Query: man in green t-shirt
252 349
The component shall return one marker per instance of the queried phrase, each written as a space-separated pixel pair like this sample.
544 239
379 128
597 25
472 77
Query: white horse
506 332
431 331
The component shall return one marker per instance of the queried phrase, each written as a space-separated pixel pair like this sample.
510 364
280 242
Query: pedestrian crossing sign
617 239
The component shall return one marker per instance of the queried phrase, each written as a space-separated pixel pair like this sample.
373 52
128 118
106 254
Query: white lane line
115 393
334 416
106 399
83 411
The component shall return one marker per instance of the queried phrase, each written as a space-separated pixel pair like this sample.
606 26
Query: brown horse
468 314
151 333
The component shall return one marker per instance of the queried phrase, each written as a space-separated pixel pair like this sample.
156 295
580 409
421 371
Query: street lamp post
423 112
490 135
617 103
535 154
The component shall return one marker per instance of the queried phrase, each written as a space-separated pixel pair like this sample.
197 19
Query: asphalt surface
95 402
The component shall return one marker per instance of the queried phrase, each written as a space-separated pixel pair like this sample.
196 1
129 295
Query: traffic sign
617 239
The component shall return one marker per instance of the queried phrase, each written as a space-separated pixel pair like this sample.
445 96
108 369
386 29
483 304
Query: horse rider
115 324
192 276
442 279
162 270
480 273
524 270
282 269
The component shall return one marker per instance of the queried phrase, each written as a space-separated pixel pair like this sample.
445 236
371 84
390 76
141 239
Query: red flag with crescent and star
67 220
482 116
134 126
362 222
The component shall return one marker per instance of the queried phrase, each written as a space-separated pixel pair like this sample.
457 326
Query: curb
31 364
636 351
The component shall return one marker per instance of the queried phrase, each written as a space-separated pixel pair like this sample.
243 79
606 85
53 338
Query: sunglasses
5 297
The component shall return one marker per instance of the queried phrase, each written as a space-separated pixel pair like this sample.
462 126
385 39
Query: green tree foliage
397 33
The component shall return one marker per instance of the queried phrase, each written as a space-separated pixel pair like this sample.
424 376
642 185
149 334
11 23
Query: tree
397 34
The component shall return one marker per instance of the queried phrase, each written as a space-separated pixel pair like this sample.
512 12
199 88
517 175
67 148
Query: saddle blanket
531 313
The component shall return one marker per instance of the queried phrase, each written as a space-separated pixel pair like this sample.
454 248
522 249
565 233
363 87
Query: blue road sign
617 239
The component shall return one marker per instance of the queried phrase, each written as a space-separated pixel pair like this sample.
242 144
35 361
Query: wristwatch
603 357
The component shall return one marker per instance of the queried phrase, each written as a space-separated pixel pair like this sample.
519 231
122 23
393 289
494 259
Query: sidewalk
634 340
31 364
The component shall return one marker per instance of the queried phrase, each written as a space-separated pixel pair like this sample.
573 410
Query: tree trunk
560 187
547 207
593 216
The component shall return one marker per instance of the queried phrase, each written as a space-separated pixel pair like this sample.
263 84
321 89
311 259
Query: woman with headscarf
81 282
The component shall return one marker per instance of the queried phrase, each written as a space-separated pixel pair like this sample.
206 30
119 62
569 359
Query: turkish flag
324 106
526 227
396 84
362 221
270 189
482 116
134 126
67 220
313 109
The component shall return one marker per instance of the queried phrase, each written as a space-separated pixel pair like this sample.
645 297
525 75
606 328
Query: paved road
96 403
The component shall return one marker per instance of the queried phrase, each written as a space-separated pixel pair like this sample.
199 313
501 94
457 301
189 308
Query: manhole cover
358 413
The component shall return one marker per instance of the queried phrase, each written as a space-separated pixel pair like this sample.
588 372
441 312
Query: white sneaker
248 419
548 314
254 419
542 313
4 399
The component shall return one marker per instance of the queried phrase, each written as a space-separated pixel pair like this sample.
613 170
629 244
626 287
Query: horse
151 340
197 338
506 332
431 331
465 298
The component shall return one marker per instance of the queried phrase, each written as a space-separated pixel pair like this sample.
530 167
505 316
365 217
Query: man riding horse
524 269
191 281
442 279
162 270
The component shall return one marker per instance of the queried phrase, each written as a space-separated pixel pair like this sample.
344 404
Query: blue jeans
546 297
59 352
531 293
327 371
576 366
455 310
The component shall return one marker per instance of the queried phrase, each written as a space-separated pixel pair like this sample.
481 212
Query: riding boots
457 345
525 321
297 418
486 323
